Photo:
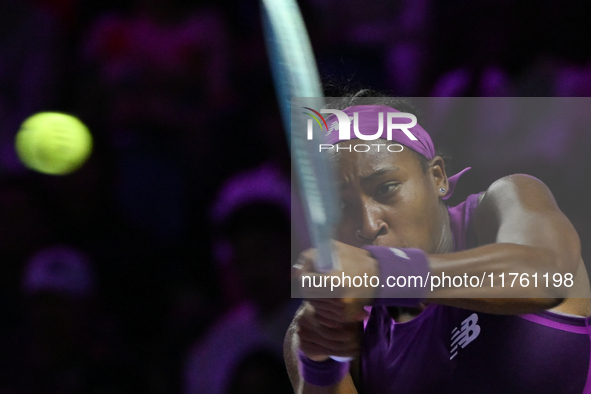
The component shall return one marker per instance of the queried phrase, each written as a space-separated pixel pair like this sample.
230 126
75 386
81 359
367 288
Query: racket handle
341 359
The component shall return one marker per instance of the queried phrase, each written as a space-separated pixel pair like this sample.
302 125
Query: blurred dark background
135 273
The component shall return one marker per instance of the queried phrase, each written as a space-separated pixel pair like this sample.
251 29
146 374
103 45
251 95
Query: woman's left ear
437 170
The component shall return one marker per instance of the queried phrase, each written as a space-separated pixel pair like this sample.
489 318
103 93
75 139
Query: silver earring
441 190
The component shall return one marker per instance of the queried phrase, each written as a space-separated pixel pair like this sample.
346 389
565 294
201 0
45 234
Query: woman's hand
325 329
349 283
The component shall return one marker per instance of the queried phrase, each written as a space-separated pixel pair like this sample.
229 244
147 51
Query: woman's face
388 199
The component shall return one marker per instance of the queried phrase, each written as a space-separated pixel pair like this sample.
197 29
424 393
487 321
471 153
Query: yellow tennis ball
53 143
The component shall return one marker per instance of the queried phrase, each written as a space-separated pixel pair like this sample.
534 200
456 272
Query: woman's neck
446 240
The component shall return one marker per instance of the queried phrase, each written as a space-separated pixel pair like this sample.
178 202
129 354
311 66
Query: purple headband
368 122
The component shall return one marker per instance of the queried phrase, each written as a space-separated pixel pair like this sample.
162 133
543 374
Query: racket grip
341 359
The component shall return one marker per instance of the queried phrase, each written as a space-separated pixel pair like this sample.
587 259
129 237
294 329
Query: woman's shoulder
515 185
514 194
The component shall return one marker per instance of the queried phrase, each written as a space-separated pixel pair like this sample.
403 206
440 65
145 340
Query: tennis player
455 338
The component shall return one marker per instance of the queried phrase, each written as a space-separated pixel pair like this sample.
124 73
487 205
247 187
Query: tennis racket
296 75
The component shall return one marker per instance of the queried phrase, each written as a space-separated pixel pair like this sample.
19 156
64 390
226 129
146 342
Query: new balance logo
468 332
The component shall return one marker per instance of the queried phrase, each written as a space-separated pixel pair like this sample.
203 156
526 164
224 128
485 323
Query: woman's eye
386 188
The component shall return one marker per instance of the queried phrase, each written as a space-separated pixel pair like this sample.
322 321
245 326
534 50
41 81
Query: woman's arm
520 229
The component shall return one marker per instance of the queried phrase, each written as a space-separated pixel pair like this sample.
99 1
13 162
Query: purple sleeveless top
451 350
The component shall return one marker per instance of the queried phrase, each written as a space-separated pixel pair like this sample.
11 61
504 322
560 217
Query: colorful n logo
316 119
